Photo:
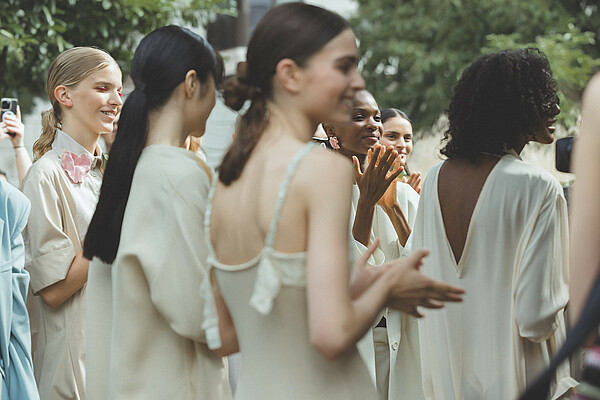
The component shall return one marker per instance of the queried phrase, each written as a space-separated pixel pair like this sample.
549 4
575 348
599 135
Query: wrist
18 147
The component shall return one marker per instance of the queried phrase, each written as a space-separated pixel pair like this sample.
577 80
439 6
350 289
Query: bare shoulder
593 87
325 168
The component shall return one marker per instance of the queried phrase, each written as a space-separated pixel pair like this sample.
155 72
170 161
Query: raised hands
414 180
376 178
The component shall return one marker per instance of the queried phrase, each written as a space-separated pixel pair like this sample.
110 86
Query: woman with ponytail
146 240
277 228
84 88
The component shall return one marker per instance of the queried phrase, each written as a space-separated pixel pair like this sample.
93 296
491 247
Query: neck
88 140
167 126
291 122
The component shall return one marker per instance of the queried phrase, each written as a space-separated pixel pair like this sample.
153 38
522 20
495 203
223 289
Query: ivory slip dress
266 297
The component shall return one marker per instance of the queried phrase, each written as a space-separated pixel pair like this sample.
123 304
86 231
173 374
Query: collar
62 142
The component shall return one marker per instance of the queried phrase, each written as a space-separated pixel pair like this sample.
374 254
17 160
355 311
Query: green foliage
570 60
414 50
34 32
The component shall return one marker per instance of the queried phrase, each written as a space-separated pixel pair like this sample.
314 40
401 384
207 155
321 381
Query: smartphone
8 105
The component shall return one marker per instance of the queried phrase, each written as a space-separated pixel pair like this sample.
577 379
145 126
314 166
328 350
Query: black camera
564 148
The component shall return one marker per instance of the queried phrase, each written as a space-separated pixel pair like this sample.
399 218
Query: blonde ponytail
49 128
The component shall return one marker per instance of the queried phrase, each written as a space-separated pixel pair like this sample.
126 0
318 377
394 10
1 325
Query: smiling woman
84 87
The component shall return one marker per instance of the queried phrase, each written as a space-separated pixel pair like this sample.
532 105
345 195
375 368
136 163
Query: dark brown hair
293 30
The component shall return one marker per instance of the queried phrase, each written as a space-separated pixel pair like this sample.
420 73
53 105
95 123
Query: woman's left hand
414 180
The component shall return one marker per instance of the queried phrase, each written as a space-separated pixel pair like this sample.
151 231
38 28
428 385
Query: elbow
229 344
51 299
330 345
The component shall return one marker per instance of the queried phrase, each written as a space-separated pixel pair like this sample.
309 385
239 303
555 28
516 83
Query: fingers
417 258
19 112
356 164
362 260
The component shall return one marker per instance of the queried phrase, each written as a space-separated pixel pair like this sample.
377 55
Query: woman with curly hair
496 226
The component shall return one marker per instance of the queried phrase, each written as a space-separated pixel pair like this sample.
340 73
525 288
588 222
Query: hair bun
237 89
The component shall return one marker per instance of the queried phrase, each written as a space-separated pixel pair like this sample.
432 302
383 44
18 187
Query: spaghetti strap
283 189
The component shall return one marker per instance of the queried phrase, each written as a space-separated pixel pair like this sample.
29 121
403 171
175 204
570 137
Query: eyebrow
106 83
352 59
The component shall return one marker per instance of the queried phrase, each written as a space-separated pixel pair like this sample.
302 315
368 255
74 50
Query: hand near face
414 180
411 289
390 198
11 127
376 178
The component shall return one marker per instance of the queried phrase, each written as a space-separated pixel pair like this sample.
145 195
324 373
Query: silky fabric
157 347
16 365
266 298
515 273
402 329
61 211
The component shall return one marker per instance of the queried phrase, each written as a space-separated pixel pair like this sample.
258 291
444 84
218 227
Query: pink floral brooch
77 167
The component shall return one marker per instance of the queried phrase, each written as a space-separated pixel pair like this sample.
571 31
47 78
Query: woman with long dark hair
145 312
278 223
497 226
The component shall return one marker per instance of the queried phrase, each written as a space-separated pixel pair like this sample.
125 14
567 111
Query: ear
62 95
191 84
329 129
289 75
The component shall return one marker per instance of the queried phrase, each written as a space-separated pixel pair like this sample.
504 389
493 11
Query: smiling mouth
550 125
111 114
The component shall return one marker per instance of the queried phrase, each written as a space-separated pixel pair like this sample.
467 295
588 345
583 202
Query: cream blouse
60 213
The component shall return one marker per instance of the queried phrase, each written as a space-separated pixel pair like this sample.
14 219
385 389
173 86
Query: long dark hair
159 65
388 113
499 98
293 30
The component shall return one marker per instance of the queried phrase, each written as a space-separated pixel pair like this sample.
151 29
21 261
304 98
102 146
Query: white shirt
515 273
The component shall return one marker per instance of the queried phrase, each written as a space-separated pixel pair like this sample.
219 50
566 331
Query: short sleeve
541 286
170 247
49 251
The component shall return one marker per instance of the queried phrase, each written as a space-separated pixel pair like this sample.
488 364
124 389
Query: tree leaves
413 51
33 33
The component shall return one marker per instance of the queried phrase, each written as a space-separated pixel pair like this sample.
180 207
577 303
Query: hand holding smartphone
8 107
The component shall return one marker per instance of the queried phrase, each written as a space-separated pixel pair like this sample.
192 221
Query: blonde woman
84 87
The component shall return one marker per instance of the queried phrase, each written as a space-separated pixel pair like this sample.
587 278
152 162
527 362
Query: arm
389 203
13 125
229 340
585 217
541 286
339 315
372 184
57 293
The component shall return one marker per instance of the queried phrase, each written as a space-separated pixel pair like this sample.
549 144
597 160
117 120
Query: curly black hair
500 99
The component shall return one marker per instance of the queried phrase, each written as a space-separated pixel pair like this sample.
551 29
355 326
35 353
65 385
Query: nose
557 110
357 83
116 98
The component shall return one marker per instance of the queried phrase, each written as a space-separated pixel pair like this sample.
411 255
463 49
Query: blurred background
413 52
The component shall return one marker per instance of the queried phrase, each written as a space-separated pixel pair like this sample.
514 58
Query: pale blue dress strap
268 276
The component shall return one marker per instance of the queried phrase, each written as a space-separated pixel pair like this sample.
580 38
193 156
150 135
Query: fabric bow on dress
77 167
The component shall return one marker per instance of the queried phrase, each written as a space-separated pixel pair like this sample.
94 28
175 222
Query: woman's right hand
375 180
409 288
12 127
414 180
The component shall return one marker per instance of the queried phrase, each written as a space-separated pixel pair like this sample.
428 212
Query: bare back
242 212
459 186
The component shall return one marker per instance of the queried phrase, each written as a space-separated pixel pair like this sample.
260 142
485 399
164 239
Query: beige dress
515 273
60 213
266 297
391 351
157 347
